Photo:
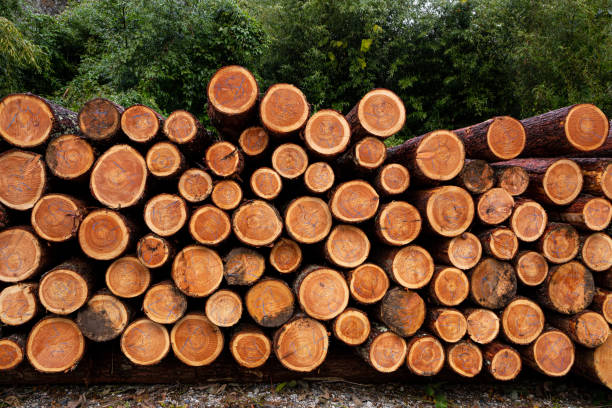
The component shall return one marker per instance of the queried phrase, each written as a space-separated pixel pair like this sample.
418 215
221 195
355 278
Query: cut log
347 246
154 251
69 157
243 266
522 321
23 179
195 185
494 206
397 223
285 256
319 177
164 303
560 243
145 342
447 324
602 303
402 310
253 141
182 128
502 361
55 345
308 220
321 292
266 183
56 217
492 283
411 266
301 344
449 286
587 328
354 201
100 120
384 350
482 325
28 121
568 288
250 347
499 242
576 128
257 223
195 340
531 268
551 354
367 283
12 351
67 287
587 213
380 113
363 157
197 271
141 124
224 159
22 255
425 355
447 210
105 234
392 179
596 252
327 133
499 138
597 174
270 302
224 308
283 110
165 160
464 358
227 195
232 99
209 225
127 277
19 304
290 160
165 214
528 220
104 317
513 179
596 364
477 176
463 251
352 327
119 177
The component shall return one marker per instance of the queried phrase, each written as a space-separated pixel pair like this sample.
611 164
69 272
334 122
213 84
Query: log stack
290 236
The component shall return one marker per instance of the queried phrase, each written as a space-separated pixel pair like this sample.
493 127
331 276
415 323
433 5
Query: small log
463 251
319 177
354 201
56 217
425 356
301 344
154 251
266 183
499 138
477 176
22 254
182 128
164 303
499 242
105 234
224 159
568 288
28 121
290 160
576 128
402 310
103 318
447 210
464 358
55 345
270 302
586 213
352 327
69 157
165 161
19 304
397 223
253 141
597 174
165 214
209 225
411 266
492 283
587 328
12 351
363 157
596 252
347 246
283 110
127 277
551 354
195 185
380 113
141 124
531 268
367 283
602 303
327 133
285 256
596 364
482 325
392 179
308 220
522 321
67 287
447 324
243 266
224 308
195 340
23 179
227 195
145 342
257 223
513 179
197 271
494 206
560 243
321 292
384 350
250 346
100 120
449 286
502 361
528 220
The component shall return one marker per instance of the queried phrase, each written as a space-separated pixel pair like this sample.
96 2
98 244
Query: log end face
301 345
308 220
597 213
465 251
253 141
223 159
165 214
327 133
403 311
506 137
127 277
55 345
493 283
103 235
368 283
69 157
251 349
285 256
227 194
506 364
560 243
257 223
531 268
482 326
495 206
196 341
232 90
209 225
164 303
522 321
425 356
25 120
412 267
11 354
586 127
398 223
570 287
451 286
181 127
56 217
562 181
465 359
319 177
347 246
597 252
394 178
140 123
266 183
224 308
602 362
440 155
323 294
477 176
354 201
370 153
553 353
450 325
153 251
270 302
145 342
352 327
195 185
290 160
450 211
529 221
606 181
197 271
63 291
514 180
388 352
284 109
99 119
243 266
22 179
22 254
18 304
103 318
164 159
381 113
503 244
592 330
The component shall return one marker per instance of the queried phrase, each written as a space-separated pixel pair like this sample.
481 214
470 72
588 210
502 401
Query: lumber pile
286 235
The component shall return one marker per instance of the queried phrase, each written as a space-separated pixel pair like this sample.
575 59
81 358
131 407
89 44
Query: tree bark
587 213
492 283
402 310
477 176
597 174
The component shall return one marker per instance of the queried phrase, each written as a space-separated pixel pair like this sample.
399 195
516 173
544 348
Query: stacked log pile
288 235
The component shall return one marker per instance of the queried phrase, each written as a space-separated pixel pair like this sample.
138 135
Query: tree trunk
499 242
367 283
586 213
227 195
308 220
243 266
319 177
528 220
145 342
351 327
166 214
380 113
499 138
447 324
164 303
464 358
141 124
154 251
100 120
522 321
195 185
285 256
19 304
425 356
56 217
347 246
104 317
70 157
402 310
531 268
224 308
560 243
301 344
250 346
266 183
447 210
257 223
197 271
411 266
165 161
587 328
392 179
492 283
397 223
209 225
23 179
321 292
449 286
127 277
482 325
597 174
105 234
55 345
477 176
568 288
384 350
354 201
463 251
513 179
270 302
551 354
223 159
502 361
327 133
67 287
494 206
283 111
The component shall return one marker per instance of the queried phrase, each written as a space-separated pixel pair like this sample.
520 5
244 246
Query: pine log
164 303
447 324
224 308
182 128
250 346
227 194
301 344
327 133
402 310
209 225
55 345
19 304
492 283
482 325
319 177
551 354
447 210
587 328
67 287
22 254
383 350
463 251
352 327
464 358
308 220
586 213
522 321
195 340
257 223
223 159
104 317
513 179
28 121
105 234
283 111
347 246
568 288
411 266
367 283
494 206
253 141
285 256
596 252
596 364
154 251
56 217
23 179
243 266
363 157
449 286
145 342
499 242
425 356
354 201
392 179
12 351
528 220
321 292
499 138
397 223
270 302
380 113
560 243
69 157
502 361
141 124
602 303
266 183
531 268
195 185
597 174
290 160
165 214
165 161
127 277
100 120
477 176
197 271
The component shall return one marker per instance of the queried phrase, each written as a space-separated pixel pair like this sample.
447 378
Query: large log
502 361
379 113
19 304
256 223
224 308
270 302
250 346
195 340
492 283
499 138
226 194
243 266
587 328
477 176
127 277
100 120
327 133
425 356
322 293
105 234
528 220
67 287
145 342
531 268
56 217
164 303
69 157
522 321
104 317
463 251
499 242
354 201
141 124
362 158
384 350
55 345
319 177
586 213
290 160
447 210
195 185
494 206
602 303
283 110
411 266
285 256
22 254
351 327
367 283
568 288
397 223
301 344
253 142
197 271
23 179
513 179
209 225
402 310
347 246
482 325
597 174
449 286
551 354
308 220
182 128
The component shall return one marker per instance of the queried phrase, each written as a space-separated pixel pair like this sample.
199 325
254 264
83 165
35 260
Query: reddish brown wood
551 354
392 179
67 287
321 292
319 177
596 252
100 120
224 308
494 206
367 283
528 220
164 303
464 358
243 266
597 174
502 361
12 351
250 346
397 223
182 128
127 277
56 217
513 179
266 183
104 317
522 321
224 159
154 251
69 157
587 213
587 328
55 345
166 214
327 133
22 254
463 251
447 324
165 161
290 160
499 242
384 350
19 304
105 234
568 288
253 141
425 356
363 157
352 327
285 256
301 344
196 341
195 185
380 113
411 266
308 220
499 138
145 342
477 176
227 194
209 225
602 303
559 243
256 223
531 268
596 364
482 325
347 246
141 124
354 201
283 110
447 210
270 302
449 286
23 179
197 271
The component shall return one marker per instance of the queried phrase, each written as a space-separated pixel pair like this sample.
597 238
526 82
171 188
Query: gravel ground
525 393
